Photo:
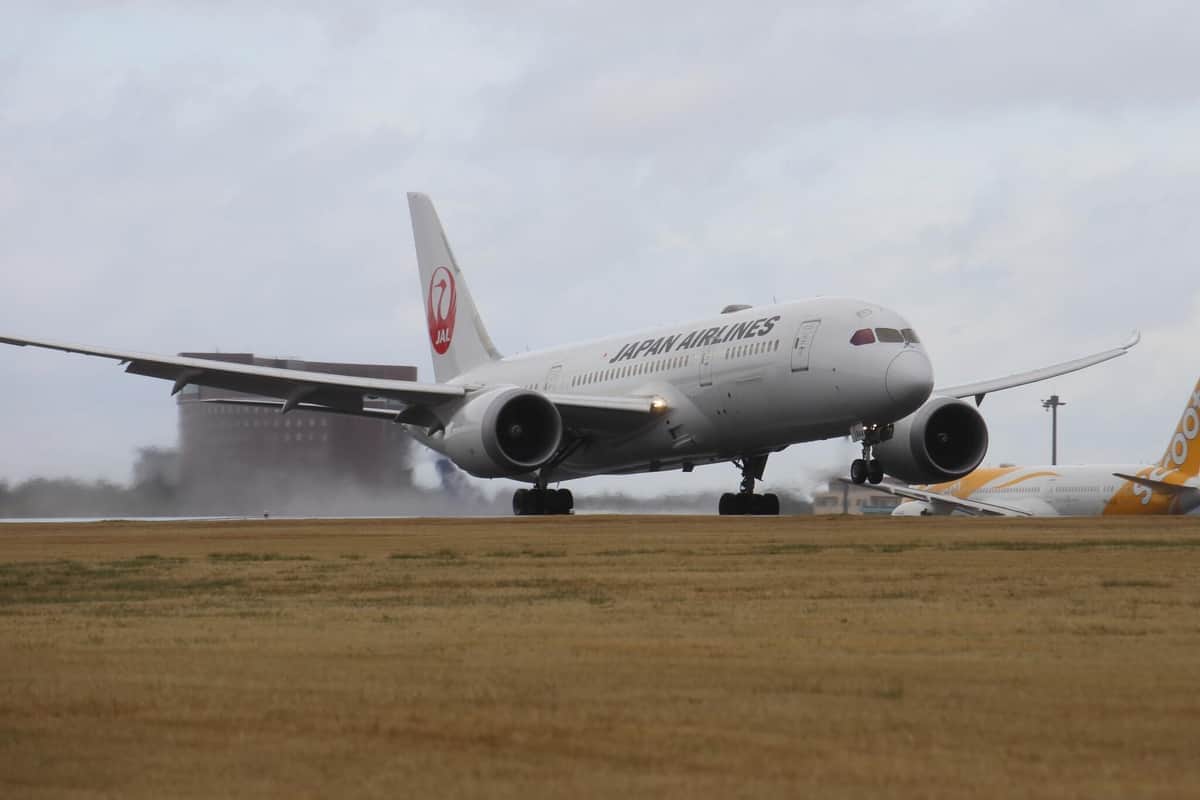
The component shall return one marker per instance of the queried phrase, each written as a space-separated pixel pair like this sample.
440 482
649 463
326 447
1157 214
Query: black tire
566 501
520 502
771 505
725 506
858 471
558 501
743 503
875 471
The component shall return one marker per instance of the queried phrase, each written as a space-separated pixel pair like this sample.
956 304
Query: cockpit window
863 336
888 335
910 336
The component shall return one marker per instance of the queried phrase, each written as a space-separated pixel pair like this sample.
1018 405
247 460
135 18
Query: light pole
1051 404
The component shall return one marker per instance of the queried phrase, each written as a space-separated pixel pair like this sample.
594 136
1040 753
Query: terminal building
232 454
845 498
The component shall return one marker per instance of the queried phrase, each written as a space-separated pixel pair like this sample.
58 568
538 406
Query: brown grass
601 656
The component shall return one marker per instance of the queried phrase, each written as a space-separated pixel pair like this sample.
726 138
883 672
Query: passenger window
910 336
863 336
888 335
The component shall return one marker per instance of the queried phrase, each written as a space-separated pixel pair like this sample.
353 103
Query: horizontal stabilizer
1160 486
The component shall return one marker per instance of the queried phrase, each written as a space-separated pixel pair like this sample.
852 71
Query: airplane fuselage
1080 490
746 382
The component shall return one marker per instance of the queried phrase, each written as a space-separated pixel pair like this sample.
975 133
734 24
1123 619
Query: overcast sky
1020 180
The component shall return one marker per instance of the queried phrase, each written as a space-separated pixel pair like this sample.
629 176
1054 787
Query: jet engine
941 441
503 432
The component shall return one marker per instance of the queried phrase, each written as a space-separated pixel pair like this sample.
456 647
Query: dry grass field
601 656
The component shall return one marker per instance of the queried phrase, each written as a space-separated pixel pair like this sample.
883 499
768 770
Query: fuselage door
706 367
802 344
553 377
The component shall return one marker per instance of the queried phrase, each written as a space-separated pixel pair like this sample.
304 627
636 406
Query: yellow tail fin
1183 452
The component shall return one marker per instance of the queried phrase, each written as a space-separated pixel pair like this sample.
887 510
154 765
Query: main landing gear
541 500
868 468
746 501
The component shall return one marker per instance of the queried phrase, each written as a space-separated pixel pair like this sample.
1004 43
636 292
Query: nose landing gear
746 501
868 469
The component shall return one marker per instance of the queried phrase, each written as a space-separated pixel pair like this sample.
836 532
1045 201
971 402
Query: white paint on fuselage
725 398
1066 490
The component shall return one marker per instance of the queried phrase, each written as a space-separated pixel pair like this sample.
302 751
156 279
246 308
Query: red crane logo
439 309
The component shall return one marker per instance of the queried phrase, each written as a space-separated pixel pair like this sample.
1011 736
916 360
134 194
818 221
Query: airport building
844 498
249 451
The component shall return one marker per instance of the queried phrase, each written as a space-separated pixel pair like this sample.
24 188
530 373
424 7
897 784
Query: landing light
658 404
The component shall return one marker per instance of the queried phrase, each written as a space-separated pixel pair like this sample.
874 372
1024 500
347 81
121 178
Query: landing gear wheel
858 471
529 502
746 501
874 471
559 501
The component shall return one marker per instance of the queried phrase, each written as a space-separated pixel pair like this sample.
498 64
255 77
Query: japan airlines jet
1172 486
736 387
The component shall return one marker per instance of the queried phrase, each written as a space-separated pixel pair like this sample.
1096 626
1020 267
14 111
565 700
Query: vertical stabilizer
458 340
1183 451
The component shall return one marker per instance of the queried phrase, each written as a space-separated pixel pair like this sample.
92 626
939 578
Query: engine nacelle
503 432
942 440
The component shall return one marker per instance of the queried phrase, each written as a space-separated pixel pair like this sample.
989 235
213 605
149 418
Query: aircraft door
802 344
553 377
706 367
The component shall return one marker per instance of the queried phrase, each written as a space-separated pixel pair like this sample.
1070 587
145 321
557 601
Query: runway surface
595 656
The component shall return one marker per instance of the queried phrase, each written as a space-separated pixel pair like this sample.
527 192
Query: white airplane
1172 486
736 387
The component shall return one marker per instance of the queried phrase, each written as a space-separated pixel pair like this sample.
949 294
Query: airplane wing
583 415
343 392
321 391
981 388
945 503
605 414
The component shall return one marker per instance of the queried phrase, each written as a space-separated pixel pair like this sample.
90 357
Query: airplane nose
909 379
